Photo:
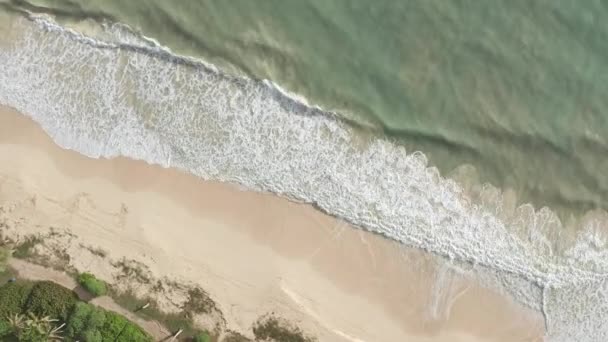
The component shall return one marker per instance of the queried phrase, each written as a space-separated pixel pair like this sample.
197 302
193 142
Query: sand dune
254 253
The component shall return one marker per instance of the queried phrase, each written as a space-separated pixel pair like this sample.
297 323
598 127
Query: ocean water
511 87
111 92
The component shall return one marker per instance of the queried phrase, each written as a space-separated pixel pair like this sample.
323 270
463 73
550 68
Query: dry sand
254 253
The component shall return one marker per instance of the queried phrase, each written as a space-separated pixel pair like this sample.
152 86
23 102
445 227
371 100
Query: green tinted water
515 88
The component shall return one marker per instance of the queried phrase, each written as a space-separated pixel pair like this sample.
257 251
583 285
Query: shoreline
254 253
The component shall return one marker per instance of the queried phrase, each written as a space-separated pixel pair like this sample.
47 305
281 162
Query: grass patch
270 328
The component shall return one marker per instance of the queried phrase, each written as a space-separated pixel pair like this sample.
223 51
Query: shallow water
121 95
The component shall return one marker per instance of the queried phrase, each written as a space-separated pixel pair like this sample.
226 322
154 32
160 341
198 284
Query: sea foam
133 98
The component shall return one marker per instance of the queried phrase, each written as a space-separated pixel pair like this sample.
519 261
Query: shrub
202 337
13 298
5 328
85 322
50 299
77 322
92 335
96 319
95 286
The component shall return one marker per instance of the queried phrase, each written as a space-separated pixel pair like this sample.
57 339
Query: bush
5 328
202 337
85 322
50 299
95 286
92 324
13 298
92 336
77 322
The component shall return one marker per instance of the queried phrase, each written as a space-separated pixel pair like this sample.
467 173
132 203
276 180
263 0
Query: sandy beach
254 253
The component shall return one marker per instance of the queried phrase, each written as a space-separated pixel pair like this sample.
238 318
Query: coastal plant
77 321
94 286
85 322
16 323
48 298
92 335
13 298
40 328
5 328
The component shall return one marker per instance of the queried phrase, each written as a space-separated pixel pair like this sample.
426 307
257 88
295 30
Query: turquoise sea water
513 88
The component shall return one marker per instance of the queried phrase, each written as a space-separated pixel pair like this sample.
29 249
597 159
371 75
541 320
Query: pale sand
254 253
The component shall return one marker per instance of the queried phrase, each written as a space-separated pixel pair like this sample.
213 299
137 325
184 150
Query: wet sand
254 253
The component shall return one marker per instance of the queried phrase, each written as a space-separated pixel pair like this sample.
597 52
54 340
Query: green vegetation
48 298
31 328
95 286
13 298
272 329
202 337
45 311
